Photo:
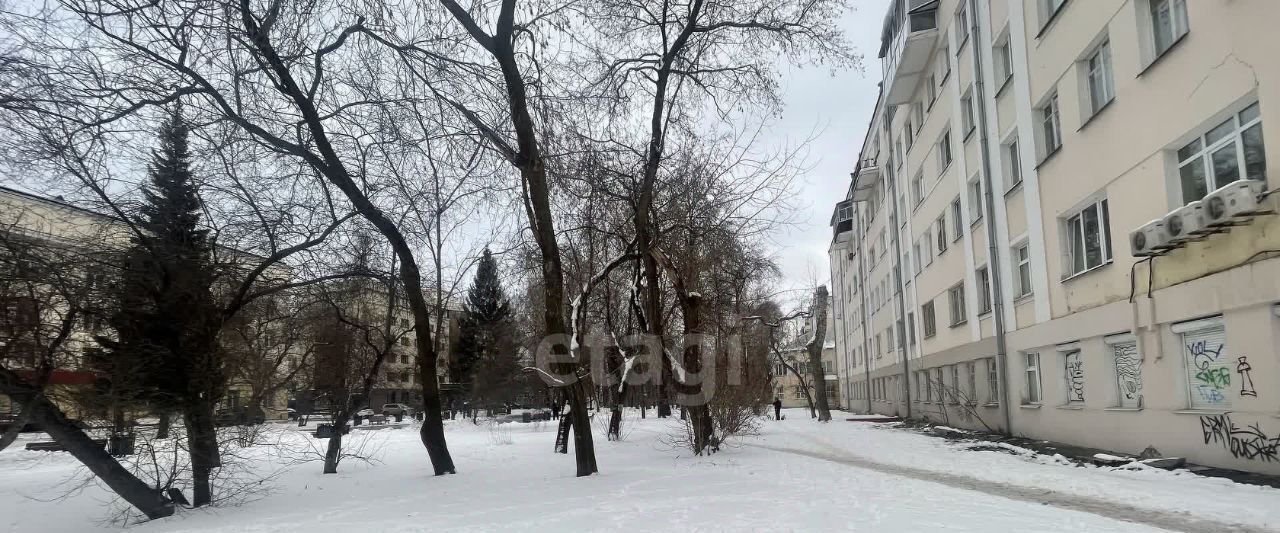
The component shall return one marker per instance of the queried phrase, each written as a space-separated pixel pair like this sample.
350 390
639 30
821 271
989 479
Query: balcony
865 179
910 31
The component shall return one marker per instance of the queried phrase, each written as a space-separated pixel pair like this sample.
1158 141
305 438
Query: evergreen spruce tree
487 363
165 351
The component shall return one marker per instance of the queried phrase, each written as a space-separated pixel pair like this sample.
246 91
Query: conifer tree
487 363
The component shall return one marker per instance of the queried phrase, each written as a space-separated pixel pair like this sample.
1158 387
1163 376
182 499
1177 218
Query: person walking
777 408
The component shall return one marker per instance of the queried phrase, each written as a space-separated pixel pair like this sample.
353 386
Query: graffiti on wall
1075 377
1246 380
1212 377
1243 443
1129 372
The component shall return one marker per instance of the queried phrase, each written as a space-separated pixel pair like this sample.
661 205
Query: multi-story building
1061 225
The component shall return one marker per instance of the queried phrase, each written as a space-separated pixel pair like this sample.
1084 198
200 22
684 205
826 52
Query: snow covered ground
797 475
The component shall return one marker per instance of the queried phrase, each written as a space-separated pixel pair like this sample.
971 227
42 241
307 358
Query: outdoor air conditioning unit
1150 239
1185 223
1235 201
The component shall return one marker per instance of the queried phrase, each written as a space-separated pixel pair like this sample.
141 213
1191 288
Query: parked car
396 409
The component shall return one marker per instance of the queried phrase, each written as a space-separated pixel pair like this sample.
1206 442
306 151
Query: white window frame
975 200
1101 210
945 157
993 382
1012 163
941 225
962 26
982 277
1048 8
957 305
931 89
967 122
1003 53
1176 11
957 220
1050 126
1101 77
1200 152
1022 266
929 319
917 189
1032 382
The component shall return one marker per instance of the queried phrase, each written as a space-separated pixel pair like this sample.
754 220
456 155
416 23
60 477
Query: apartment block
1062 226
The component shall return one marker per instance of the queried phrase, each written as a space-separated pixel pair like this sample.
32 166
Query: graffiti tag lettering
1128 371
1075 377
1216 377
1246 381
1243 443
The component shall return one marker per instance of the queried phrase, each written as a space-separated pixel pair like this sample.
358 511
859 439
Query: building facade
1061 225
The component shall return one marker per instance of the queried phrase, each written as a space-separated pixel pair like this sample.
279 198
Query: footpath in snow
796 475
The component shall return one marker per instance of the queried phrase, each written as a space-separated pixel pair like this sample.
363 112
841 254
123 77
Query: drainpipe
899 297
862 305
994 267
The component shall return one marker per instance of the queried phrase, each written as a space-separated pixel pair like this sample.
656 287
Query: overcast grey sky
835 109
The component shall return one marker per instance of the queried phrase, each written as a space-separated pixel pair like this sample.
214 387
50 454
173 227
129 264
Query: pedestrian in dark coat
777 408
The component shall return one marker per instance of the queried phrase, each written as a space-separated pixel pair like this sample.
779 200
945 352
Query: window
404 341
928 386
916 265
927 320
932 89
1208 365
917 189
917 113
966 114
944 63
975 200
1101 85
1031 365
879 352
944 151
911 329
1022 254
890 339
1073 377
1013 164
1088 238
1003 62
927 239
910 132
962 26
1216 158
1128 366
993 382
1168 23
984 290
921 389
1048 8
954 396
957 220
1050 128
955 299
971 388
941 224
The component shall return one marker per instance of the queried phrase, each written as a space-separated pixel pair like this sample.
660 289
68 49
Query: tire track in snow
1173 521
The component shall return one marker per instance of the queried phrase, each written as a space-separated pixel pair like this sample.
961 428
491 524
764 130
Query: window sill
1123 409
1088 270
960 323
1049 156
974 223
1003 84
1023 298
968 134
1201 412
1071 407
962 43
991 405
1012 188
984 314
945 76
1030 406
1162 55
1095 114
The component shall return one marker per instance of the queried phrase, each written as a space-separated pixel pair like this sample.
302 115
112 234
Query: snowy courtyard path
1174 521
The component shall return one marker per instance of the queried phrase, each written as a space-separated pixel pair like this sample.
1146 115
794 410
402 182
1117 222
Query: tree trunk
333 452
698 413
147 500
11 434
819 313
202 443
162 428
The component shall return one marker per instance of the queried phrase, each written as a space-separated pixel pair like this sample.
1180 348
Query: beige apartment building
1061 226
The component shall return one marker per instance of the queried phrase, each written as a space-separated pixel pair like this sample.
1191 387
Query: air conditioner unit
1149 239
1185 223
1235 201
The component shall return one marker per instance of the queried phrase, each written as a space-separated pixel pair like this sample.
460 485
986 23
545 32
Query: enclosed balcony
842 219
910 31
